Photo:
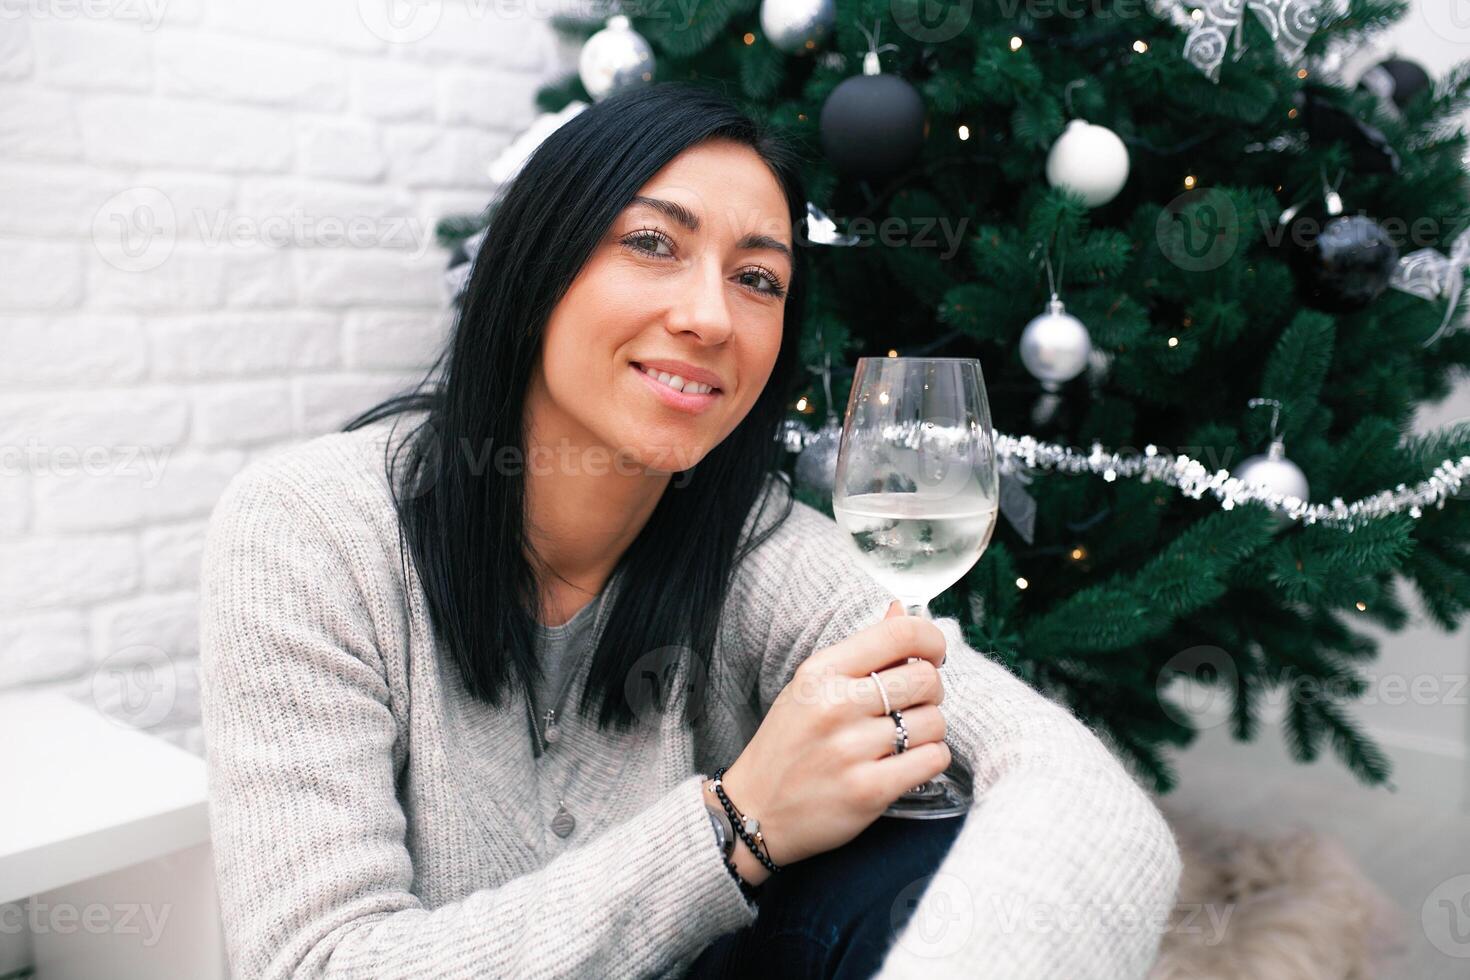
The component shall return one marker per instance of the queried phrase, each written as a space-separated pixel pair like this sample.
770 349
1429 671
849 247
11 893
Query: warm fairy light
801 116
892 352
1173 341
801 404
1301 73
882 398
1291 114
1016 43
1197 14
1021 583
1189 182
749 38
964 132
1079 553
1362 606
1140 46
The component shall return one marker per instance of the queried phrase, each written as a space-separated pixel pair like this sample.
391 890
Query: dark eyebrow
677 212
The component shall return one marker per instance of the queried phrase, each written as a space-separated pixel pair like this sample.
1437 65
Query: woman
471 666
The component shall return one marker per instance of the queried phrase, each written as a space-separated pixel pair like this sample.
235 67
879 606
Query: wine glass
917 491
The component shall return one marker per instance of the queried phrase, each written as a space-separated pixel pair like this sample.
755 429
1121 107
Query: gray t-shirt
559 649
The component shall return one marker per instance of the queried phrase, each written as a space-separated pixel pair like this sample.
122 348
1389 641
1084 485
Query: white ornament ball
1088 160
615 58
797 26
1055 346
1273 472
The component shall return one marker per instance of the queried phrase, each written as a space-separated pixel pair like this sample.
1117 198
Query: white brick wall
216 238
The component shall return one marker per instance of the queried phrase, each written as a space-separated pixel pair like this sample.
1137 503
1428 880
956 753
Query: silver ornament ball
797 26
1055 346
1273 472
615 58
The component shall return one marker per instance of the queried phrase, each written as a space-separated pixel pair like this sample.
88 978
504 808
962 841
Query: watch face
720 836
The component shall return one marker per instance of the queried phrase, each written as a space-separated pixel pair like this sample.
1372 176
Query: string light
801 404
1140 46
1173 341
1016 43
1362 606
1189 182
1078 553
749 38
964 132
1021 583
892 353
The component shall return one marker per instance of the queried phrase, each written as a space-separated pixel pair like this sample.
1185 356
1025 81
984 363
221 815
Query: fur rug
1291 906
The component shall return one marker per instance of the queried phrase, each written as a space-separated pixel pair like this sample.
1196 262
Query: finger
907 684
885 643
924 723
894 609
897 774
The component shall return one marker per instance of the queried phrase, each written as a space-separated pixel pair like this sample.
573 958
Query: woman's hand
820 767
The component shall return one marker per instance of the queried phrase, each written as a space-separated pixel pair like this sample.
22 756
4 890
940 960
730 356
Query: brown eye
647 241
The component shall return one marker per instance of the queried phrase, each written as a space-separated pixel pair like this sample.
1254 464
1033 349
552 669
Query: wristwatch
724 831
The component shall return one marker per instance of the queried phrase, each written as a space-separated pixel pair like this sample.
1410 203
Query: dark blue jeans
834 915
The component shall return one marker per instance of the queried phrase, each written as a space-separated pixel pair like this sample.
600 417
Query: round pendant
563 823
552 734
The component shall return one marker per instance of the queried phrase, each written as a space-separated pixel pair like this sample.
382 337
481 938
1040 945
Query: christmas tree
1221 216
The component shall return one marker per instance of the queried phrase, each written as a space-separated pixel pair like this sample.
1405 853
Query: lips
682 401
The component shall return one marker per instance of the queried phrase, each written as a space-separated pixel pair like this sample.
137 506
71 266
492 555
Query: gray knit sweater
370 820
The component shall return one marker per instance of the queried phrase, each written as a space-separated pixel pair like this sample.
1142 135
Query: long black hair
464 522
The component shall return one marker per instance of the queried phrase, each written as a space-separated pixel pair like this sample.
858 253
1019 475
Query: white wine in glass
917 491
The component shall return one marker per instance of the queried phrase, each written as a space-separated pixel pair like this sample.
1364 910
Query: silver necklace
562 822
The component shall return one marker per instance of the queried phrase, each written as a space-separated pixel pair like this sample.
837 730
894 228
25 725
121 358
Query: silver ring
900 734
887 708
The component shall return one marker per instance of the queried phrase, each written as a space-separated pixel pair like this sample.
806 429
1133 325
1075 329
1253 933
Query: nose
700 306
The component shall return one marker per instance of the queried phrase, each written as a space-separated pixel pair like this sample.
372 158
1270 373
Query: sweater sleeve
302 748
1064 866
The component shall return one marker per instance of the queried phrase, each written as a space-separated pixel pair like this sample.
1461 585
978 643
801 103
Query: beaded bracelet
751 892
751 835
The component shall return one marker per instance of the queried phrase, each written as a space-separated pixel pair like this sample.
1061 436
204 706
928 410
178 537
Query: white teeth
677 383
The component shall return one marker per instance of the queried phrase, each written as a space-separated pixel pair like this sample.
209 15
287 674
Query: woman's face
689 281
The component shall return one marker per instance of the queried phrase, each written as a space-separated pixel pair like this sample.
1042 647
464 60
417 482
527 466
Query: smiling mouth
687 387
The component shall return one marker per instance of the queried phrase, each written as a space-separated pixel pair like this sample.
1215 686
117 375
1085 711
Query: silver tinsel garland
1194 479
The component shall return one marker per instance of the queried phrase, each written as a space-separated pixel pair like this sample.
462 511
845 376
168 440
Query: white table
104 836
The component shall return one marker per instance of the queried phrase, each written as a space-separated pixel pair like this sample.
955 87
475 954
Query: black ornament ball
872 126
1397 79
1343 265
